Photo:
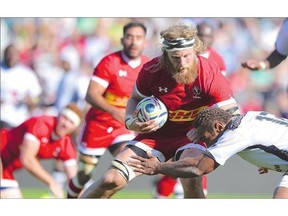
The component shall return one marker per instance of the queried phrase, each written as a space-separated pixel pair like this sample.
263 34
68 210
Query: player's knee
87 163
118 176
86 166
125 170
110 181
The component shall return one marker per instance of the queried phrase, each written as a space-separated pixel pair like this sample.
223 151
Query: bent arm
188 167
183 168
95 98
29 160
132 103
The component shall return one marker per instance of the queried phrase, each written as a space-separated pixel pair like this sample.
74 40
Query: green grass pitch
36 193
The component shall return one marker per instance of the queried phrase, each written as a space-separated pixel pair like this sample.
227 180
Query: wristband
129 121
262 65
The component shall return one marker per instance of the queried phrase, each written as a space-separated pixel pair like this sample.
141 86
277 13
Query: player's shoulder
151 63
42 120
112 56
207 66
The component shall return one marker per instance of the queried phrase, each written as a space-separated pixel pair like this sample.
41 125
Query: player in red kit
167 185
186 83
108 93
39 138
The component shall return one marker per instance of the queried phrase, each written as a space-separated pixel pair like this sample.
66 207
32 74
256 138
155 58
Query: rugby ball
152 108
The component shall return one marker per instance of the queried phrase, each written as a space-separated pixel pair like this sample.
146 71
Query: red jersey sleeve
215 84
105 67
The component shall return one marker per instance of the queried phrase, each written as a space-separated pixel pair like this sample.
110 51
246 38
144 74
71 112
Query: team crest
196 92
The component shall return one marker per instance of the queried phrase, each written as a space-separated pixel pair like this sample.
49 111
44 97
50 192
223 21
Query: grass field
36 193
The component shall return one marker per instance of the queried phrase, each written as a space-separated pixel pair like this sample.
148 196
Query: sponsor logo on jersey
163 89
184 115
116 100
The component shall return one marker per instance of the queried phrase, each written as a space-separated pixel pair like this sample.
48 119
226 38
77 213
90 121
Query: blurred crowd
60 53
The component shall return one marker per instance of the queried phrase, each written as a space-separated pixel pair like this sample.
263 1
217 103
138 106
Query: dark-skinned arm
184 168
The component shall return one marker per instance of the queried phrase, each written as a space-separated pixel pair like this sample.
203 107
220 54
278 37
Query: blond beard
188 77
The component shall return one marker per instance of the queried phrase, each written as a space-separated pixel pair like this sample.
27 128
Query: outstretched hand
254 64
146 166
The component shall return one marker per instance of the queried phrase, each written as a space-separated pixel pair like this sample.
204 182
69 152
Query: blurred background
44 42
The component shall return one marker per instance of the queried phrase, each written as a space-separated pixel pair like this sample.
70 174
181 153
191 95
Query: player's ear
219 126
122 41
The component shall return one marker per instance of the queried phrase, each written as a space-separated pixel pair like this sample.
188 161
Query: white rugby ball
152 108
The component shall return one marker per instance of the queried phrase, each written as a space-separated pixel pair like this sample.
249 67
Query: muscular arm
132 102
188 167
184 168
95 98
28 157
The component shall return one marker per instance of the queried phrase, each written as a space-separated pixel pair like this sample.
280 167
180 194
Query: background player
108 92
278 55
38 138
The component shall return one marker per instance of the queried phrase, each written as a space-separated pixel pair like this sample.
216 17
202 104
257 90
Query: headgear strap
70 114
178 44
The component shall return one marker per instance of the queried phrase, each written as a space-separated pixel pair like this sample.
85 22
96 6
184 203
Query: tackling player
258 137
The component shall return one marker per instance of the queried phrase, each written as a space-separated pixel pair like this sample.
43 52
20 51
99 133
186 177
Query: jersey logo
184 115
196 92
122 73
163 89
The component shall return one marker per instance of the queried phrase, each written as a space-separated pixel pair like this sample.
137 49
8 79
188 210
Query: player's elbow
26 162
199 172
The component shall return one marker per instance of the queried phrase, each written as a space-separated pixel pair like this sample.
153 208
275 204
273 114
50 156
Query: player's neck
132 62
55 136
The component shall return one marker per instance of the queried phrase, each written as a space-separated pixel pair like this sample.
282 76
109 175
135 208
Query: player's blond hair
173 33
183 31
